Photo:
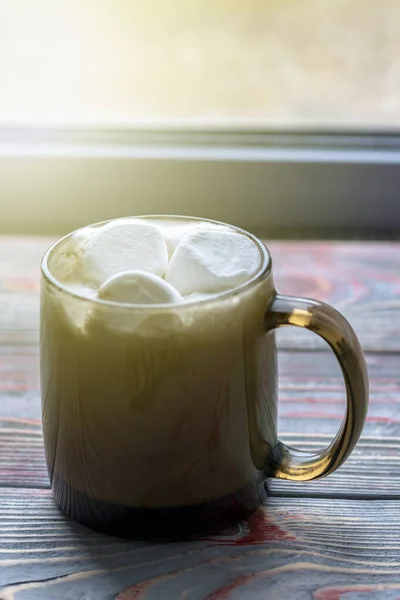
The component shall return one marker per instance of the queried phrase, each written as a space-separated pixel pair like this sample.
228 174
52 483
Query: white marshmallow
211 261
138 287
174 230
122 245
66 264
172 233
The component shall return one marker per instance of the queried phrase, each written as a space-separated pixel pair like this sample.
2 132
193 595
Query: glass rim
262 273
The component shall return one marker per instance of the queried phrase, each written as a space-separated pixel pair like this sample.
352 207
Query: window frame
276 182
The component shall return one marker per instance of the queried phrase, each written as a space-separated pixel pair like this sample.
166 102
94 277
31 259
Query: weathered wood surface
290 549
308 541
360 279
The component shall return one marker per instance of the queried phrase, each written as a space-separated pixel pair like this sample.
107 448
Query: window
280 115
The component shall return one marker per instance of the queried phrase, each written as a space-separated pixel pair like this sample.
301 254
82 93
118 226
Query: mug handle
329 324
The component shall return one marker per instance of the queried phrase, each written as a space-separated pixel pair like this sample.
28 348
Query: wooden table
338 538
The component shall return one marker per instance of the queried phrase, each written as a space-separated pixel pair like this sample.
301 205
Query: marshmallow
65 264
174 230
122 245
138 287
210 261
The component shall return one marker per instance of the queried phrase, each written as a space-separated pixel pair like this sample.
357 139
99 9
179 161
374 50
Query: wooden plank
361 279
312 394
20 259
312 402
22 461
290 548
311 406
372 471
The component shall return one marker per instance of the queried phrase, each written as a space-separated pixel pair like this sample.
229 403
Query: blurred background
322 62
144 90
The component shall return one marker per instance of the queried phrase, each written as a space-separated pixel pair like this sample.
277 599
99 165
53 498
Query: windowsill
56 180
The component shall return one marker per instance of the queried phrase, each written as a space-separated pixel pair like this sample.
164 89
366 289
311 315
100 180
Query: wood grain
22 460
290 548
20 259
311 405
361 279
372 471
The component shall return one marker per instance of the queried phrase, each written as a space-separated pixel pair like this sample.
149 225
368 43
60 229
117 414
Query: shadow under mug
160 421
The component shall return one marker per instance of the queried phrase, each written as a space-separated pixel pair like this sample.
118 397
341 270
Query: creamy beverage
156 392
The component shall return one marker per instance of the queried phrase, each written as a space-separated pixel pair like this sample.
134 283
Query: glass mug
160 420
